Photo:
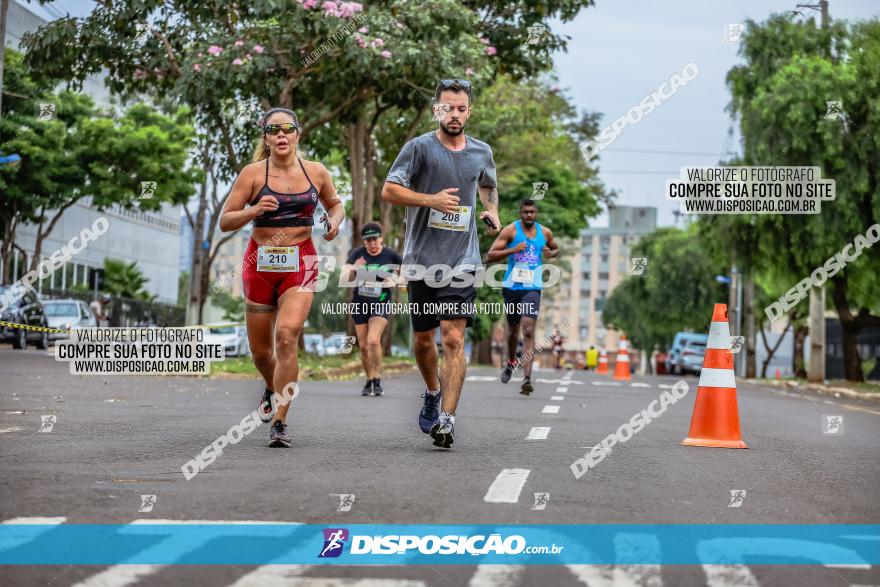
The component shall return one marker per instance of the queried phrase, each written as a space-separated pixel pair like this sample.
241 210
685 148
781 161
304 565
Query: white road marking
624 575
290 576
664 386
271 576
11 540
13 429
496 575
638 384
507 486
729 576
557 398
538 433
550 410
126 574
561 390
480 378
607 383
564 383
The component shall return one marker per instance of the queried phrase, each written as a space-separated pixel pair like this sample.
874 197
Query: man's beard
528 223
452 132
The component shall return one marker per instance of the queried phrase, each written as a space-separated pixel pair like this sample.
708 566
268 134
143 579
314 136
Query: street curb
337 373
820 389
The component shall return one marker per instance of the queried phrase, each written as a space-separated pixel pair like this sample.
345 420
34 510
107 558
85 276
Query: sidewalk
833 388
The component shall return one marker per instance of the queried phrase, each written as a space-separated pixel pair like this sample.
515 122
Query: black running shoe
278 436
442 431
507 373
526 387
266 409
377 387
368 387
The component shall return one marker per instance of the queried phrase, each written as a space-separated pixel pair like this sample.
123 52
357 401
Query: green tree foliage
125 280
780 97
233 307
676 293
83 154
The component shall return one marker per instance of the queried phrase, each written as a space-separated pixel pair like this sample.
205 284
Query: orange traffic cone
715 421
621 365
602 369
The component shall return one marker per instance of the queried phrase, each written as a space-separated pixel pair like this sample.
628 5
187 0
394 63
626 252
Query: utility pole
822 7
4 9
816 366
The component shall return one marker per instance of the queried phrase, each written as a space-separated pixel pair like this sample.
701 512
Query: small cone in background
602 369
778 377
621 365
715 421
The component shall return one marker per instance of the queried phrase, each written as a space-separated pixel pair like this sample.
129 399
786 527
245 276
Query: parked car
27 310
674 360
335 343
68 314
692 356
233 338
313 343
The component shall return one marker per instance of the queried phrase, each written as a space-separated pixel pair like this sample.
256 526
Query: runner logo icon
334 541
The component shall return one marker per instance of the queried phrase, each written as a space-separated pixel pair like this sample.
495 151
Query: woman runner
279 192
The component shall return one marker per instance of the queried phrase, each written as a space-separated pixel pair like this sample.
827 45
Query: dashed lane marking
538 433
507 486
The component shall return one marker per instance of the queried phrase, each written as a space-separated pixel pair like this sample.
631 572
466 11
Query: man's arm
552 248
499 250
489 197
445 200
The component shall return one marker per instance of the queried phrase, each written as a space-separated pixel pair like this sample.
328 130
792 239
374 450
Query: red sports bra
293 209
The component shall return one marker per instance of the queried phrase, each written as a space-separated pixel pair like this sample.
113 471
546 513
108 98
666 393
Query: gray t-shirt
425 166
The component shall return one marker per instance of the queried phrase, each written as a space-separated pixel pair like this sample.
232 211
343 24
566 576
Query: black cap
371 230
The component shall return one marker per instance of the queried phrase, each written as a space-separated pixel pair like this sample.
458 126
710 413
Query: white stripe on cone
624 358
719 336
717 378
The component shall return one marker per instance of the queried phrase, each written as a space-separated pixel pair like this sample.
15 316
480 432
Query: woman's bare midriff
281 236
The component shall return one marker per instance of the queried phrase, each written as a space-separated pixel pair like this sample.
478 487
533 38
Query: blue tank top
523 268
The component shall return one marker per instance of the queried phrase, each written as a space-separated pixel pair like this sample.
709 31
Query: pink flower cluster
332 8
216 50
489 49
376 43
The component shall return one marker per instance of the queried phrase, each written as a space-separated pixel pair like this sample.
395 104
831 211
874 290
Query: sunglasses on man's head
274 129
451 83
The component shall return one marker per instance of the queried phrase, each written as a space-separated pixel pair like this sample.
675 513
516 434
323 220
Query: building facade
600 262
150 239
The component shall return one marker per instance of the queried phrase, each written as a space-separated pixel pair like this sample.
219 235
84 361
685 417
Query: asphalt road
117 438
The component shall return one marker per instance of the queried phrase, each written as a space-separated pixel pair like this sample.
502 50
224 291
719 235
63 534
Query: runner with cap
373 267
438 177
524 244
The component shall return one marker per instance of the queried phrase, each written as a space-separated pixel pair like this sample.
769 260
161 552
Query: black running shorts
429 305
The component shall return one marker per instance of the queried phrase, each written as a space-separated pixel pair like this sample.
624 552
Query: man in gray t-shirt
438 176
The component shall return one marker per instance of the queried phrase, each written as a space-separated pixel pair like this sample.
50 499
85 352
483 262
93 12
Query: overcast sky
622 50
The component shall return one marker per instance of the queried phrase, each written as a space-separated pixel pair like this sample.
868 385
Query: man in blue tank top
524 244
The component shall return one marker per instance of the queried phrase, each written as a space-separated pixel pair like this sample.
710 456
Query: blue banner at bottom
164 543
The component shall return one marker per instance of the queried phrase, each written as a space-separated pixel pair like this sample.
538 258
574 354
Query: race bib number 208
459 221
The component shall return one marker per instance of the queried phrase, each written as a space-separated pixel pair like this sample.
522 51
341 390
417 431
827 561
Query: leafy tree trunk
196 301
771 352
751 341
800 337
357 165
9 226
482 351
850 328
43 234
